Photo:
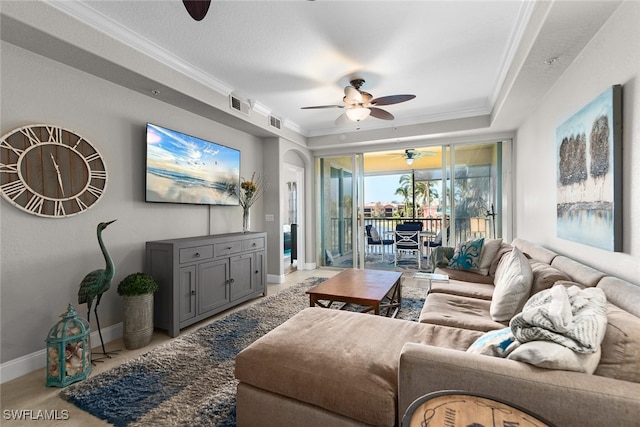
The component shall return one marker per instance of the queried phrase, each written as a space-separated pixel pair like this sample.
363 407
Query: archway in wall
293 212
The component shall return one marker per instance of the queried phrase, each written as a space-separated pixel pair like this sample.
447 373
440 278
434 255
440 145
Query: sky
381 188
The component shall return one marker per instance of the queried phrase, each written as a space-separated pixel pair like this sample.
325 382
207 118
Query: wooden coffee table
375 290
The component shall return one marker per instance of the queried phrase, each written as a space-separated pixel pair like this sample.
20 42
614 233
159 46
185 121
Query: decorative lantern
68 350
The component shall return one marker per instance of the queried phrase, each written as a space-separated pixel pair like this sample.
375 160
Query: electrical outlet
269 217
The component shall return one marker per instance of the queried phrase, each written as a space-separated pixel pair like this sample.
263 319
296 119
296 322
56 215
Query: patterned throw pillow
497 343
467 255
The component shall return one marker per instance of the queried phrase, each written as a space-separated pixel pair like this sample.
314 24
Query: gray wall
43 260
612 57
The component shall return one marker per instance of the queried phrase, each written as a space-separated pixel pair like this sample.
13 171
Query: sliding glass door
454 190
340 184
473 191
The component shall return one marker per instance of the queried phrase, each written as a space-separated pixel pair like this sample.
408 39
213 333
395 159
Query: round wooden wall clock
50 171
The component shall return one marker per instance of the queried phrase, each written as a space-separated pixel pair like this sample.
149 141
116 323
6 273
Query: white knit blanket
573 317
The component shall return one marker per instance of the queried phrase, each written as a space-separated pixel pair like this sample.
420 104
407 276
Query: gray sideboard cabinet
202 276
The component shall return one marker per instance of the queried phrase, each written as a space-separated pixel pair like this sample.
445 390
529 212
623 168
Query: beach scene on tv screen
185 169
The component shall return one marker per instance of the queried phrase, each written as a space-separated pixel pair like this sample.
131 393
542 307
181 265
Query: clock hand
55 165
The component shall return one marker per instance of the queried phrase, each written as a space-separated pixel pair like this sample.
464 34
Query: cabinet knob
193 292
231 280
254 244
197 255
257 271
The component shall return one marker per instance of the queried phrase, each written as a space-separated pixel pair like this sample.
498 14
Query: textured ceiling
283 55
476 67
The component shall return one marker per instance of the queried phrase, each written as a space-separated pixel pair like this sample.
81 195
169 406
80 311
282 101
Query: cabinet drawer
251 244
196 253
227 248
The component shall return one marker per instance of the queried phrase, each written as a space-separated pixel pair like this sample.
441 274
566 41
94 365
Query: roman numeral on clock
13 189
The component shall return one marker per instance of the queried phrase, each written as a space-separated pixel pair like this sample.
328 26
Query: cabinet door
258 271
187 298
213 285
242 275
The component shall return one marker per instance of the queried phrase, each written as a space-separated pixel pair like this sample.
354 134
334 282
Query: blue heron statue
96 283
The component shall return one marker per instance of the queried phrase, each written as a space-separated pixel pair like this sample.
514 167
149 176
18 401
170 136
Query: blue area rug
190 380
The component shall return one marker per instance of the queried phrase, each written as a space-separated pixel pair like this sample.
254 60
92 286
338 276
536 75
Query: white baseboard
275 278
37 360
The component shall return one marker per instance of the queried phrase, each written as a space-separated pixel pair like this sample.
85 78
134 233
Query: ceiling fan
361 104
411 154
197 9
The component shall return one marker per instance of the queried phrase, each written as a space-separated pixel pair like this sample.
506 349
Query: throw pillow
489 251
544 276
374 234
441 256
512 286
467 255
551 355
497 343
621 346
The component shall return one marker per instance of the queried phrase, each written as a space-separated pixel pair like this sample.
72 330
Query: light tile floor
29 392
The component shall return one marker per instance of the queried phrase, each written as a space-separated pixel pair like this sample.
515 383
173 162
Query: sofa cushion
622 294
490 249
512 286
534 250
344 362
458 312
550 355
544 276
467 255
466 289
587 276
465 276
620 357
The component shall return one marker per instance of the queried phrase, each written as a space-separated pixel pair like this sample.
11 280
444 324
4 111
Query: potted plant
137 291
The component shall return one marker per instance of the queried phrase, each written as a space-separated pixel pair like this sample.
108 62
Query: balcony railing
341 232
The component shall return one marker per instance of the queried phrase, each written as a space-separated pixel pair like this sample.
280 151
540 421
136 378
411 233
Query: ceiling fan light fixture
358 113
409 161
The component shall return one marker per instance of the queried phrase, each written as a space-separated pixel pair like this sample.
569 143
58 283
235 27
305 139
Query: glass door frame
355 169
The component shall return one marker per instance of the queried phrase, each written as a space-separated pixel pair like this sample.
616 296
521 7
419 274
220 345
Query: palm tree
405 190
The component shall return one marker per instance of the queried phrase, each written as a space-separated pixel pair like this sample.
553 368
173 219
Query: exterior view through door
454 191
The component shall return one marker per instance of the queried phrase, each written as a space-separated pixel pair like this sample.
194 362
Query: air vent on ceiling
239 105
275 122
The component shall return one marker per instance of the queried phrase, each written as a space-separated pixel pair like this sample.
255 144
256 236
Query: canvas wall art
589 155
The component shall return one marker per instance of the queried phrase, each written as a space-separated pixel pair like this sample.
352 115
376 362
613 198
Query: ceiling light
358 113
409 161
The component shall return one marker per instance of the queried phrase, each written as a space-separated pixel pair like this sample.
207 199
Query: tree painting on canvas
589 173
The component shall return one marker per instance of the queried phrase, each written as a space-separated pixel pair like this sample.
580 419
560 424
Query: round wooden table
464 409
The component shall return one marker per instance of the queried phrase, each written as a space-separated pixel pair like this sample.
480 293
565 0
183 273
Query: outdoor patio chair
373 238
408 241
436 242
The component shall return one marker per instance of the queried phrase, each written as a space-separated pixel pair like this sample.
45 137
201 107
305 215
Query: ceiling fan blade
392 99
352 95
197 8
342 120
321 106
379 113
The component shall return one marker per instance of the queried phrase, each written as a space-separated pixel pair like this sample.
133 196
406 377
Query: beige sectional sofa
334 368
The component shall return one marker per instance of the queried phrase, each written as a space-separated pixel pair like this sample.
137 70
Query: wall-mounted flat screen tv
185 169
